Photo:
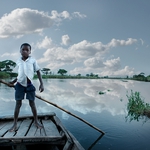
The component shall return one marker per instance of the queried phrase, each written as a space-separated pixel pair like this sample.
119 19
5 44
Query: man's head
25 50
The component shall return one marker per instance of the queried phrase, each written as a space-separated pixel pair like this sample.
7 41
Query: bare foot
13 128
38 125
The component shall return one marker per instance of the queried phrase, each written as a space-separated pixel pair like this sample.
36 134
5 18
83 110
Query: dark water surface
106 111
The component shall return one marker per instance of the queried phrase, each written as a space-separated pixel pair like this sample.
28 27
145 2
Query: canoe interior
53 135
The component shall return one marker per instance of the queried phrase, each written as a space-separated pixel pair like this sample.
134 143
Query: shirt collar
26 59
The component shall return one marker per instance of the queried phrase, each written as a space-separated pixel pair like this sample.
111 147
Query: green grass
136 107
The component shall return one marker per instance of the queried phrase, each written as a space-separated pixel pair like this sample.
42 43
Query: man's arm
11 83
14 81
41 87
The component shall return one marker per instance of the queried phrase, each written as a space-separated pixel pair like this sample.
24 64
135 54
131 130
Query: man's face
25 51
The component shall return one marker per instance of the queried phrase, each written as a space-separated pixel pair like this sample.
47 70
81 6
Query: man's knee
18 103
31 103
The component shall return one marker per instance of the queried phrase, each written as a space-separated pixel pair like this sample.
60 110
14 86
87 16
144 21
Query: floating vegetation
100 93
136 107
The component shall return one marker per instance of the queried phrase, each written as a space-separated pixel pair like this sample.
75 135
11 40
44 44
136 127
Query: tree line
7 66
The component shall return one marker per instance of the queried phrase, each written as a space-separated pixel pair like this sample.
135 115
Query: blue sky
104 37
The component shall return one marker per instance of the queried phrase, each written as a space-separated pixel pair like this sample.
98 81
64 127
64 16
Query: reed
136 107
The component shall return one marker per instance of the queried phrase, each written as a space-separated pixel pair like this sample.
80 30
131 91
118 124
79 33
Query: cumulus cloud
65 40
23 21
45 43
116 42
94 62
85 49
113 64
91 56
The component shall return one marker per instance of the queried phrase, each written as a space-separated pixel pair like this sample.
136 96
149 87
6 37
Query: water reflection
94 143
106 111
81 95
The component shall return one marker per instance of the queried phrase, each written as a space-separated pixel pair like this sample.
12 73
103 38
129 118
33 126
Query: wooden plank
6 127
23 128
32 130
71 139
50 128
11 134
59 123
77 145
68 145
40 132
2 124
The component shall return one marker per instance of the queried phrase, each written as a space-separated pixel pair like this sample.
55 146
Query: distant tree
96 75
62 71
142 74
87 75
2 66
91 74
79 75
7 65
135 76
45 71
148 78
140 77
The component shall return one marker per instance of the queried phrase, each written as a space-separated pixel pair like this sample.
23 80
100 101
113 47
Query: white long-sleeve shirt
26 70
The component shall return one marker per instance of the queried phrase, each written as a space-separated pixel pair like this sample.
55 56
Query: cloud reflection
83 95
80 95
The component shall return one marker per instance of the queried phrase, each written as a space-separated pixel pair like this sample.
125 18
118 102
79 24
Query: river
101 102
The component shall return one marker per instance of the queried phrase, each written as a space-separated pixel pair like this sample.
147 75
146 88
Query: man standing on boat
27 65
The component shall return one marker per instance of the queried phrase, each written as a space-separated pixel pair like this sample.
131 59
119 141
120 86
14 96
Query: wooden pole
39 97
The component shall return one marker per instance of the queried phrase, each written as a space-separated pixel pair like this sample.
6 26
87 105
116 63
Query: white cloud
46 43
94 62
85 49
10 56
58 16
142 42
79 15
26 21
113 64
116 42
118 72
91 56
65 40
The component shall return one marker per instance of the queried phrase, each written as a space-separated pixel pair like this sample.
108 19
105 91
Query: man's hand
41 88
10 84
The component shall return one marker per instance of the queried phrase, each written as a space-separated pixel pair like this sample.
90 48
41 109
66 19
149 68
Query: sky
103 37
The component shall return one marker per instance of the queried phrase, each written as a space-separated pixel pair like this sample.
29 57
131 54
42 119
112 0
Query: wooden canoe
53 135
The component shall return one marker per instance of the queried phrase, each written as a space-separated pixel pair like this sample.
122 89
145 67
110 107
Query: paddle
39 97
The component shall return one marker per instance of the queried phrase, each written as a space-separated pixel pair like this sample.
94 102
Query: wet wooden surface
27 131
52 135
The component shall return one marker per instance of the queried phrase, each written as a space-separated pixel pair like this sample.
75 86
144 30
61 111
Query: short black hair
25 44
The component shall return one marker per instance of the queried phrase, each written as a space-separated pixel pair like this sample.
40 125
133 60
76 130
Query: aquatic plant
100 93
136 107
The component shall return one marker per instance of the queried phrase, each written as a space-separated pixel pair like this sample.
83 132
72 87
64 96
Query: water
105 111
